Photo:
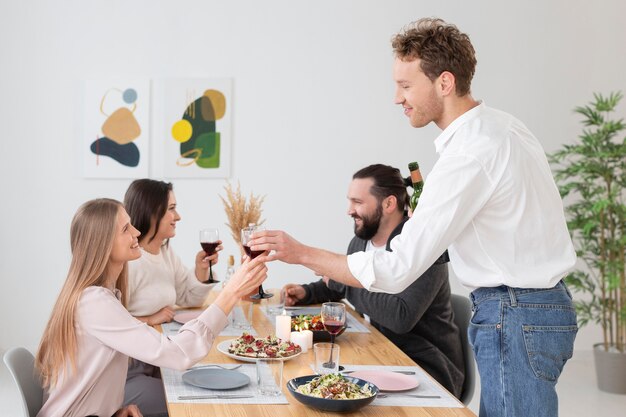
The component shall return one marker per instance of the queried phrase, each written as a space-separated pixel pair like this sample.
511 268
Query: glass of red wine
333 316
246 236
209 240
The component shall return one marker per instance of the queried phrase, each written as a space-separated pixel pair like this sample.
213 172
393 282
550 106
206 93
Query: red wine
209 247
251 253
332 326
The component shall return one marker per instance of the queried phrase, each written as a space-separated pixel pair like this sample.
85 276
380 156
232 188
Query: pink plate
387 380
184 316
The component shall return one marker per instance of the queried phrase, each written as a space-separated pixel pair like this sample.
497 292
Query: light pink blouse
107 335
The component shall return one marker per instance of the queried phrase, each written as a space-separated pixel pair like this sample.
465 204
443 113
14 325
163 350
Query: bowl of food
332 392
313 323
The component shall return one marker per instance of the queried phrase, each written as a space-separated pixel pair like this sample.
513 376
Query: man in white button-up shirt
492 202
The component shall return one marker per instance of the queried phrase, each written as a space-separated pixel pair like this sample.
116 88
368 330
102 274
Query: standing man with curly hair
491 200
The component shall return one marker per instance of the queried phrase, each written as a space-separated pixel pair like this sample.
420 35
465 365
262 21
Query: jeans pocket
548 348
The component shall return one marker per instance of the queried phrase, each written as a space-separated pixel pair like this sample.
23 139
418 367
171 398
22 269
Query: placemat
174 387
354 326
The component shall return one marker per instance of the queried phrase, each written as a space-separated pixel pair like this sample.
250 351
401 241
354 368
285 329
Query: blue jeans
521 338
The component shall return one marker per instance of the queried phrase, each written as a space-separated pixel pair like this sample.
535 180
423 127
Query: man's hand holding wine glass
283 247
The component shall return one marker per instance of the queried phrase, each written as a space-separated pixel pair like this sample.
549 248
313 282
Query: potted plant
591 175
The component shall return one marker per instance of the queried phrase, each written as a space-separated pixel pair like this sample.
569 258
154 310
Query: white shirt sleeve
456 189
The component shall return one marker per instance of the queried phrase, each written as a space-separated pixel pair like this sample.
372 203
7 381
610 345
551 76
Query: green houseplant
591 175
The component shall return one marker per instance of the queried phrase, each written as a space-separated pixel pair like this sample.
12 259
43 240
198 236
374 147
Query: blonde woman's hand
128 411
244 281
248 277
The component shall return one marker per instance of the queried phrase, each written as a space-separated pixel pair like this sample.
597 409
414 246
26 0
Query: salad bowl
327 404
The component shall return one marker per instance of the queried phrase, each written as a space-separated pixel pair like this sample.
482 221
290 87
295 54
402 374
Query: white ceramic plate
223 347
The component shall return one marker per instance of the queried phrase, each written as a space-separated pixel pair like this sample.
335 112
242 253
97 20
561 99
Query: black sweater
419 320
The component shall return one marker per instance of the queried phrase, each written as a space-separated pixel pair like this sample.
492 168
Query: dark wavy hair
441 47
146 203
387 181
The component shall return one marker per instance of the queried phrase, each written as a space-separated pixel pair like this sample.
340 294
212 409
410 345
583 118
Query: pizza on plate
268 347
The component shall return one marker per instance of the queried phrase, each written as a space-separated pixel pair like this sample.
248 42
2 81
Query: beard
370 225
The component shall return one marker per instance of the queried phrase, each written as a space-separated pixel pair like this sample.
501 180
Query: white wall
312 104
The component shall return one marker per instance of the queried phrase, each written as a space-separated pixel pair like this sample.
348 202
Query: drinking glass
209 240
269 376
321 352
277 305
241 315
246 235
333 316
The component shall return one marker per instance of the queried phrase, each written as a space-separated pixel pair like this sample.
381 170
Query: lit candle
283 326
299 338
308 335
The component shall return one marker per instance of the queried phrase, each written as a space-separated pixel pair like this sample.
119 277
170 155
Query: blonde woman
83 355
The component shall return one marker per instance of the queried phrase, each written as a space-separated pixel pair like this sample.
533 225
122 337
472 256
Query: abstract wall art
115 137
197 127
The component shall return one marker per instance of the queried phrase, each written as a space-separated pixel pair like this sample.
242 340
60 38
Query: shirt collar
446 135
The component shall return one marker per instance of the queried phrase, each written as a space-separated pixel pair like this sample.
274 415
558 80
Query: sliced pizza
269 347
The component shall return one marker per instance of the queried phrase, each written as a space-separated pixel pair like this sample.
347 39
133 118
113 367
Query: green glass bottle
418 184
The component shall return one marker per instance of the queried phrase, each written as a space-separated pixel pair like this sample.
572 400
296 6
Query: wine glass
333 316
209 240
246 235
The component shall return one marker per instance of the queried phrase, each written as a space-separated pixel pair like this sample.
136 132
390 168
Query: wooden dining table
356 349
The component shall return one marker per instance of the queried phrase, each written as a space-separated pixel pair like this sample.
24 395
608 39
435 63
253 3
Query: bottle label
416 176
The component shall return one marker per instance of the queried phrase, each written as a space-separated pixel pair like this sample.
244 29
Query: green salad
334 387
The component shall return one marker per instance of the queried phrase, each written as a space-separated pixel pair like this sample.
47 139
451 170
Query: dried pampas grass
240 212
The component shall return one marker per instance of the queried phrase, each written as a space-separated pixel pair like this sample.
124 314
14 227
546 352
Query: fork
407 395
228 368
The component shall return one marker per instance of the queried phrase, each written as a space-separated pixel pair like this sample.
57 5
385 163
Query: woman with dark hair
84 350
158 280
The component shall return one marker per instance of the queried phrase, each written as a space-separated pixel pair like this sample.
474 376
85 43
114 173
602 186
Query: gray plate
215 378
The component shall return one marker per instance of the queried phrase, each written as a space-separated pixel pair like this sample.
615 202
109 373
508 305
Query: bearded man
419 320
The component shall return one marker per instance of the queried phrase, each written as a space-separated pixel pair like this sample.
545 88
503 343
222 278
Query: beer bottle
418 184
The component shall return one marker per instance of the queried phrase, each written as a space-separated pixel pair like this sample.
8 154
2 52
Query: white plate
223 347
219 379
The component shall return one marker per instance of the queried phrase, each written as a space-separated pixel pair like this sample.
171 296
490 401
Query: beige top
157 281
106 336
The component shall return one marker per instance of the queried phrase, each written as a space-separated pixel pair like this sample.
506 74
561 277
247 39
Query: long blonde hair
91 236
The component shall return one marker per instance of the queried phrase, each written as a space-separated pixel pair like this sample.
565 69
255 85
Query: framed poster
116 129
197 127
